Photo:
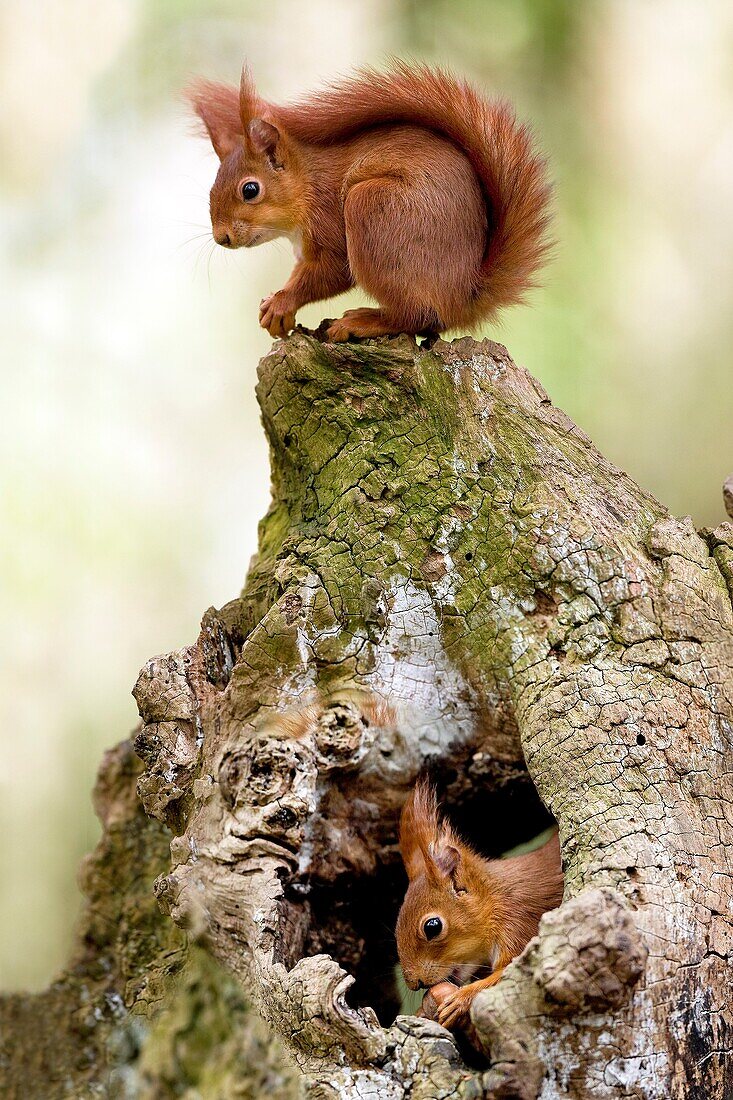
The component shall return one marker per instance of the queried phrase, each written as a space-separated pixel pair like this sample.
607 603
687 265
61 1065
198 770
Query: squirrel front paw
455 1008
277 313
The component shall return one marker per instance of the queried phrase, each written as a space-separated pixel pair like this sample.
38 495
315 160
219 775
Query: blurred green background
134 468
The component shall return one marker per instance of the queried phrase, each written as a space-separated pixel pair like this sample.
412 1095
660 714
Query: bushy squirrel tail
511 172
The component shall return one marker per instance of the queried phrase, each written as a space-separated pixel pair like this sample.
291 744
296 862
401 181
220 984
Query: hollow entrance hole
353 917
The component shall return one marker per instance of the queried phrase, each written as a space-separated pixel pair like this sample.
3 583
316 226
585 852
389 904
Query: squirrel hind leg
397 255
415 243
364 323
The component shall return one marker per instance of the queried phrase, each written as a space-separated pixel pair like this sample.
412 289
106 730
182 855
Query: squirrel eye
433 927
250 190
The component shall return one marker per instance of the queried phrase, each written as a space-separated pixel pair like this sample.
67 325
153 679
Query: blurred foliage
134 467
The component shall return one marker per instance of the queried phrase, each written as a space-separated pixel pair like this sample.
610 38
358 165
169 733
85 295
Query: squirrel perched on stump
463 914
407 183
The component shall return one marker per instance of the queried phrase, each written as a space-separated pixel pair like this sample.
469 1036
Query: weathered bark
137 1013
450 571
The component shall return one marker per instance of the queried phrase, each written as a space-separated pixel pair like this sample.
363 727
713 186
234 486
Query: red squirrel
462 913
407 183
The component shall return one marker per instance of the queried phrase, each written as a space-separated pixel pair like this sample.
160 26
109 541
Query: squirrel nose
222 238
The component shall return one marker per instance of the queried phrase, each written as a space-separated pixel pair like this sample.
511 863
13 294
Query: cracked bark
449 571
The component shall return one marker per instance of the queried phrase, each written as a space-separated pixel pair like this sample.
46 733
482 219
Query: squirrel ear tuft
249 102
217 105
262 136
419 828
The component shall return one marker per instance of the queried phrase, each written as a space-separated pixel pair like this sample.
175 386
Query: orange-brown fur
408 183
301 720
489 909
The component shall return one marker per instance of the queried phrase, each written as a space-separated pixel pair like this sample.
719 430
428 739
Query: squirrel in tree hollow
407 183
464 914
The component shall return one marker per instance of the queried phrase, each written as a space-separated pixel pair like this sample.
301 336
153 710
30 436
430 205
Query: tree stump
451 574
